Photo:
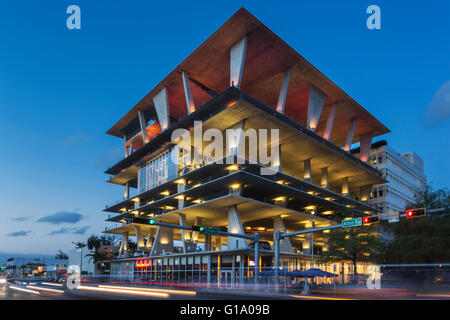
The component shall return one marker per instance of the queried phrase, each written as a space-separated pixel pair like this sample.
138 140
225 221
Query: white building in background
404 173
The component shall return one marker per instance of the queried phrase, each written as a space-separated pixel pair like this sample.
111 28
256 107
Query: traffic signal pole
279 236
256 241
276 249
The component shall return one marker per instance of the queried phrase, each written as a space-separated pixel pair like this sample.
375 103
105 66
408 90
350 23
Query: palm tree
98 255
93 242
61 255
80 245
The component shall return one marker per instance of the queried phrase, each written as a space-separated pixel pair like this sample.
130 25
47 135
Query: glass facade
158 170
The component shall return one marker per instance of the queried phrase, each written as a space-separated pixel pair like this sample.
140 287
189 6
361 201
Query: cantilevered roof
267 58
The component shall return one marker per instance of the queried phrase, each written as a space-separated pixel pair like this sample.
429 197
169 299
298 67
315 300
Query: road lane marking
22 289
320 298
52 284
141 293
180 292
45 289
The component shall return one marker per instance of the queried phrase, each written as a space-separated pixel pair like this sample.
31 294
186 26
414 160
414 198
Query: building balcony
226 104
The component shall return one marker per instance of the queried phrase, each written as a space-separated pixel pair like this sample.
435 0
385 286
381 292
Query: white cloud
439 108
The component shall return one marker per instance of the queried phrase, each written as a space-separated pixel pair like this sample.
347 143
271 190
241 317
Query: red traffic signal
371 219
416 213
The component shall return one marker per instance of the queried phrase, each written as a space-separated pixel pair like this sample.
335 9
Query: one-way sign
394 217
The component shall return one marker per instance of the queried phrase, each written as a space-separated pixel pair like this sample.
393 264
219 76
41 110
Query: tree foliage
353 244
422 240
98 248
61 255
94 242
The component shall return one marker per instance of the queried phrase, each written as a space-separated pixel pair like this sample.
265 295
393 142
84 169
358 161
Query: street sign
142 220
394 217
209 230
356 222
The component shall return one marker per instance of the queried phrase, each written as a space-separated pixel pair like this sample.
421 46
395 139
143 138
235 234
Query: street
41 290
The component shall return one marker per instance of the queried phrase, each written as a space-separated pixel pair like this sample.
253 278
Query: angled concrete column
163 241
345 187
150 235
324 178
123 250
315 105
161 103
188 93
235 143
235 140
194 235
143 124
126 192
237 58
364 146
217 243
124 142
351 131
185 235
139 238
277 160
130 148
180 188
235 226
330 120
285 244
283 91
307 170
364 193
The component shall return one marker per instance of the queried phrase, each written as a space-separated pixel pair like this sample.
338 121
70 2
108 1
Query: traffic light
198 228
371 219
416 213
142 220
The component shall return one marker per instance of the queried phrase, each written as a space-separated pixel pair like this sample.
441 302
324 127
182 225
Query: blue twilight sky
61 90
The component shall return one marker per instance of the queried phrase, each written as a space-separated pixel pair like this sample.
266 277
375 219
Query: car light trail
45 289
180 292
52 284
141 293
318 298
24 290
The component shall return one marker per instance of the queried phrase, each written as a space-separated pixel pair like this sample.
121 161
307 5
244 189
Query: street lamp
80 246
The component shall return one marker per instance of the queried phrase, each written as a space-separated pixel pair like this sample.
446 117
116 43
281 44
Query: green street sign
356 222
209 230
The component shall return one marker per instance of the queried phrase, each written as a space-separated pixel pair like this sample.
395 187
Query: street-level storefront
227 268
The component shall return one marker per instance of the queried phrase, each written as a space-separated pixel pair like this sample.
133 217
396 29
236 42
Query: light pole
80 245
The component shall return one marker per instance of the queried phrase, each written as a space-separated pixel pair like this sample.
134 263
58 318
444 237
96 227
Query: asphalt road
93 291
13 291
